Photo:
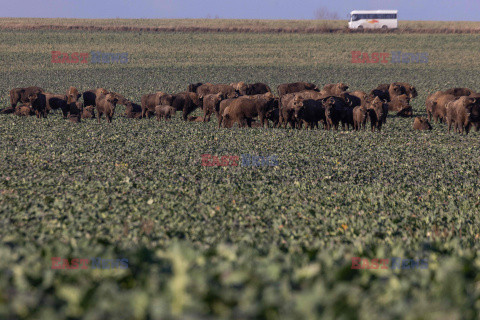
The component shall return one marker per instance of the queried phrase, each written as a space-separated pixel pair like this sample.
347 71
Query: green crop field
240 242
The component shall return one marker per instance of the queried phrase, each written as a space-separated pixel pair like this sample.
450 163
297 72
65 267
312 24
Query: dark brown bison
287 88
250 89
22 95
133 110
39 104
273 115
401 105
337 111
195 119
399 88
421 123
187 102
377 113
193 87
90 96
121 99
57 101
150 101
226 90
334 89
88 112
359 117
211 104
380 91
240 87
257 88
462 113
243 110
75 118
164 111
287 110
309 112
106 105
222 107
24 110
459 92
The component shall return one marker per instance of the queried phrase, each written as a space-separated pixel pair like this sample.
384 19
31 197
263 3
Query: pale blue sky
467 10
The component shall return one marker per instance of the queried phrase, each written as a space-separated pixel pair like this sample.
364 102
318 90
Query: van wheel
384 27
360 28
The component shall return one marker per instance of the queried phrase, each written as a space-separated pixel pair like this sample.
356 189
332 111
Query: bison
377 113
308 111
150 101
211 104
243 110
88 112
287 88
421 123
334 89
106 105
462 113
133 110
164 111
22 95
90 96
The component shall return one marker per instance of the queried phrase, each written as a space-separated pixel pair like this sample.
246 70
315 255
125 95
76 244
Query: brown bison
24 110
421 123
22 95
432 101
150 101
211 104
164 111
226 90
359 117
438 108
194 86
221 109
90 96
245 89
334 89
243 110
401 105
133 110
459 92
377 113
462 113
287 88
88 112
106 105
399 88
72 95
187 102
273 115
195 119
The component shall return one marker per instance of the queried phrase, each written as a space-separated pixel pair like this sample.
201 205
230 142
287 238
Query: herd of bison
297 104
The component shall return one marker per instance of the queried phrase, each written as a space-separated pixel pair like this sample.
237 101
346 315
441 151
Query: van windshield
354 17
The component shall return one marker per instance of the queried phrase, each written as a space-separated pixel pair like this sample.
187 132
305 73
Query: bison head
298 106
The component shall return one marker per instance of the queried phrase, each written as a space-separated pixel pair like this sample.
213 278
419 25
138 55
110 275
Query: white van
373 19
